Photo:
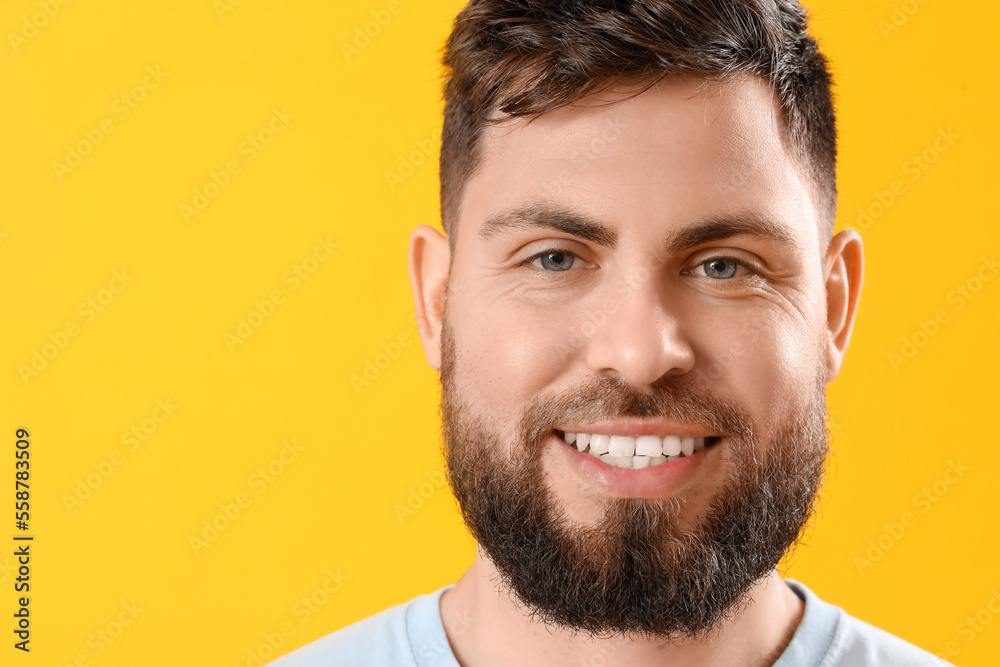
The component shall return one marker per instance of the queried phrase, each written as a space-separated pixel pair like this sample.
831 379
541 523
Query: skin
683 155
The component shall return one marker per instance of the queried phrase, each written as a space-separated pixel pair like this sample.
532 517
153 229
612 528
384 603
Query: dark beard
634 572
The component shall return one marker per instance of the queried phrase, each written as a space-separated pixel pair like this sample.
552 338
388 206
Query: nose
641 340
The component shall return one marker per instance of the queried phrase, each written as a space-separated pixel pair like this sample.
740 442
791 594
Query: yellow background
907 75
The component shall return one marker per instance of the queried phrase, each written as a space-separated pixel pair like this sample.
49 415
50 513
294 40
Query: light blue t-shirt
412 635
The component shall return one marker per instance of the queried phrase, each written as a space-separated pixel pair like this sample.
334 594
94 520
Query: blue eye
720 268
556 260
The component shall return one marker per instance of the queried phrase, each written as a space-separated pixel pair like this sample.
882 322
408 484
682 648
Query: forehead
682 151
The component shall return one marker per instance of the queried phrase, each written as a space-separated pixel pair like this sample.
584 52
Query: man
635 312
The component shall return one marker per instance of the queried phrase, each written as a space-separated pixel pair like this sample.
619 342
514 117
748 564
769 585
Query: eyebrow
722 227
533 216
575 223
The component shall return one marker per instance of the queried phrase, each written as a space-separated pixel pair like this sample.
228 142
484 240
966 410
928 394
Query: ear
429 259
843 272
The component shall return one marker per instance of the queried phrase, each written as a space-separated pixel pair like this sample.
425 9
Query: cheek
507 354
766 361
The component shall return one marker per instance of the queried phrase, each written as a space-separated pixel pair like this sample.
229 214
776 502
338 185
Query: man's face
651 267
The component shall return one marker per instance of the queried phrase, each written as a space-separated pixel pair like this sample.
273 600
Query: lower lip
659 481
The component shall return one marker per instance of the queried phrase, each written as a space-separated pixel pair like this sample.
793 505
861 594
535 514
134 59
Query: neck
488 627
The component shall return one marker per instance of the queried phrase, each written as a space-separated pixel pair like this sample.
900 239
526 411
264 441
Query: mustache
680 398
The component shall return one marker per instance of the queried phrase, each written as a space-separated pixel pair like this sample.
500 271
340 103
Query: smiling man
635 312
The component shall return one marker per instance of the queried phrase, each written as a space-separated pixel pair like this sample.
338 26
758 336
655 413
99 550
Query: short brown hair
508 58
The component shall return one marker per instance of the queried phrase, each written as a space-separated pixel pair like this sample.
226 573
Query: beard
635 571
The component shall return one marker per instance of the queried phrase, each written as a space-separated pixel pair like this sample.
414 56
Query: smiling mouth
644 451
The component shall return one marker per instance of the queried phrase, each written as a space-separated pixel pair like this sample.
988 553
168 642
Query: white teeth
648 445
687 446
600 443
627 452
621 446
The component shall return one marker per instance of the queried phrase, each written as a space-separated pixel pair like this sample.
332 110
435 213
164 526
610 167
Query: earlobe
429 260
843 273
